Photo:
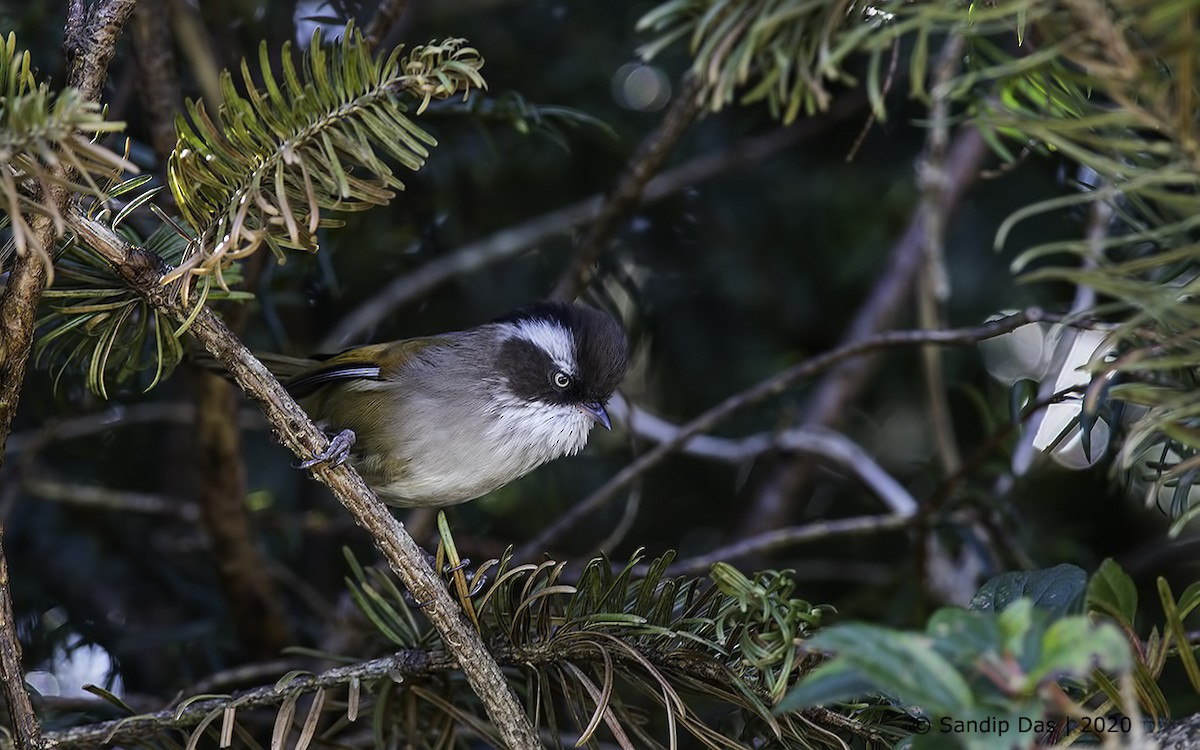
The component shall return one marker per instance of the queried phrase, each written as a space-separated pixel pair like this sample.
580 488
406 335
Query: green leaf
1073 646
1178 631
902 665
962 635
1189 600
835 680
1059 590
1111 591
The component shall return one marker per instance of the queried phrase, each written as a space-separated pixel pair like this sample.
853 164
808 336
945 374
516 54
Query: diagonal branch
143 272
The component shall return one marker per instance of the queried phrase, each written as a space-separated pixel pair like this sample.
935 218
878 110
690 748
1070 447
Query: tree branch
787 537
91 41
772 386
831 446
26 729
141 271
92 496
408 663
626 194
400 666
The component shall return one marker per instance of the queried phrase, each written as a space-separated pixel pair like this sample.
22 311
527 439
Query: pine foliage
45 142
588 658
281 156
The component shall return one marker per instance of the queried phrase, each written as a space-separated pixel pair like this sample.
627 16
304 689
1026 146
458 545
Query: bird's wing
372 362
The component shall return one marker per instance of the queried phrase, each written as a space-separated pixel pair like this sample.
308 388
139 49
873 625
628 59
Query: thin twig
772 386
243 674
831 446
122 501
95 423
779 538
626 194
513 240
142 272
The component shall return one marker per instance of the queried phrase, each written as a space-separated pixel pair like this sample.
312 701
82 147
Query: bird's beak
595 410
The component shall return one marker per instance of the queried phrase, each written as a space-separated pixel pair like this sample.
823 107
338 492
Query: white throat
526 434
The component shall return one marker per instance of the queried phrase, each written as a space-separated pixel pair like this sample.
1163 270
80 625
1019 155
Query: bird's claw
335 454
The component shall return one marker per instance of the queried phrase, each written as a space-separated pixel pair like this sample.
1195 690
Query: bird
443 419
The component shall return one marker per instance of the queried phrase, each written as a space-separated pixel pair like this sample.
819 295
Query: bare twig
831 446
950 575
829 402
247 674
513 240
772 386
626 194
888 79
115 500
26 730
116 416
787 537
142 272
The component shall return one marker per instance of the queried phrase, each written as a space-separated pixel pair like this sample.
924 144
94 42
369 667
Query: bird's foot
335 454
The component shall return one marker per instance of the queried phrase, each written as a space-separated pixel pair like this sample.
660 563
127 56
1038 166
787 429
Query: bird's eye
561 380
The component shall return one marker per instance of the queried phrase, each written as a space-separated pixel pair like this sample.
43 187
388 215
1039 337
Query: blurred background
768 243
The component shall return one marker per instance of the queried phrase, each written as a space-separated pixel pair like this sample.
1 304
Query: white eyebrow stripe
553 339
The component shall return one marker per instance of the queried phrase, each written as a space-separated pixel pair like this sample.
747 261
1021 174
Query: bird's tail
281 366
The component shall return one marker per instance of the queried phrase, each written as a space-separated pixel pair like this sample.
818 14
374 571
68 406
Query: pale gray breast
443 414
